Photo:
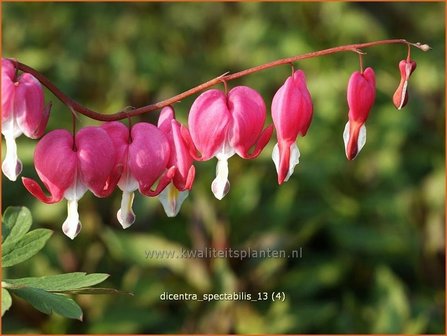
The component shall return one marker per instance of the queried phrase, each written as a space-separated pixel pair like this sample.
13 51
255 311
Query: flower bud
400 97
177 190
292 112
361 96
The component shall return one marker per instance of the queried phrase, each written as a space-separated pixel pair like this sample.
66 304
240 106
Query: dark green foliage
45 293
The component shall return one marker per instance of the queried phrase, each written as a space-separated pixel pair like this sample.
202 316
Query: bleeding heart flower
144 155
23 112
292 111
68 169
177 191
400 97
221 125
361 96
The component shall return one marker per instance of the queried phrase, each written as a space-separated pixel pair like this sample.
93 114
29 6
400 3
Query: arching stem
225 77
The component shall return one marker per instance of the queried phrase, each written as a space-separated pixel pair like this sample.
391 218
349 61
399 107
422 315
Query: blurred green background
371 230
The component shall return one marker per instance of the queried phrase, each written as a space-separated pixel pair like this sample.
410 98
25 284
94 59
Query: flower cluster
23 112
158 160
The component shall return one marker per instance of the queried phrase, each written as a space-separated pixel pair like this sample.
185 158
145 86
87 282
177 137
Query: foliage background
371 230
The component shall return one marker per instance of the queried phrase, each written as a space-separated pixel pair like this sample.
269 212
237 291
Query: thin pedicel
74 105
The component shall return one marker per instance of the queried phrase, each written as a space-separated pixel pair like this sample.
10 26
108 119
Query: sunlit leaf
6 300
16 251
60 282
16 223
49 303
95 290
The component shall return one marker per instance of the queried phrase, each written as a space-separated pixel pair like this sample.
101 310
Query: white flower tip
172 199
346 133
361 140
221 186
294 159
72 226
404 92
12 168
71 230
275 157
125 218
125 215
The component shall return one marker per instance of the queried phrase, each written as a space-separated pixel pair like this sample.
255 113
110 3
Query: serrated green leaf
6 300
49 302
16 251
16 223
60 282
93 291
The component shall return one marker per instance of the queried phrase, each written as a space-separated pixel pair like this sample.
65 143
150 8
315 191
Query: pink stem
75 106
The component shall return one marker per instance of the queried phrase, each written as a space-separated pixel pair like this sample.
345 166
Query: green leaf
60 282
93 291
49 302
16 223
16 251
6 300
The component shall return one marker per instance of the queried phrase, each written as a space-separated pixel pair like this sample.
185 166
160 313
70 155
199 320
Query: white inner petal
225 152
293 161
127 182
11 127
125 214
403 95
11 166
346 136
362 138
360 141
275 157
172 199
76 191
72 226
221 185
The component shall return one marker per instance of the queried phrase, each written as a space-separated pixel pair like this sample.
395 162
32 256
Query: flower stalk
75 106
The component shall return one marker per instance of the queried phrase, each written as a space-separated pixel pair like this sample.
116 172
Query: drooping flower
177 191
361 96
69 167
143 153
400 97
221 125
23 112
292 112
